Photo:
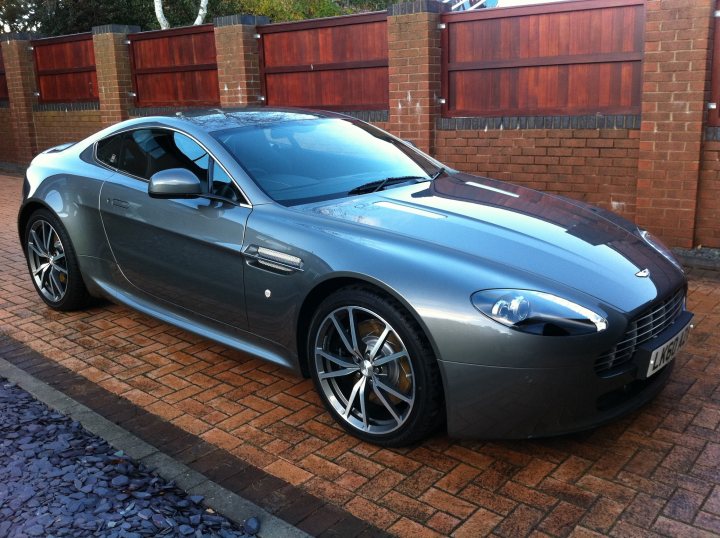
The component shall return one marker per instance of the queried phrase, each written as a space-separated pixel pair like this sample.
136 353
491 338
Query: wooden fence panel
339 63
714 114
556 59
175 67
3 80
65 69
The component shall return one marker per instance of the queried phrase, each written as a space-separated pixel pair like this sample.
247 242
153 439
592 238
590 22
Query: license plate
666 353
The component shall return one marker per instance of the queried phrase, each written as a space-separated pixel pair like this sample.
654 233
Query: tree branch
201 12
160 15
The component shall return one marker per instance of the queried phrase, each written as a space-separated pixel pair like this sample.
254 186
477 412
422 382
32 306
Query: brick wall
707 222
659 171
7 147
598 166
237 59
414 70
675 84
57 127
112 58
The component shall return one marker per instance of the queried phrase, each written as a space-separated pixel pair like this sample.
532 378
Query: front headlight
536 312
660 247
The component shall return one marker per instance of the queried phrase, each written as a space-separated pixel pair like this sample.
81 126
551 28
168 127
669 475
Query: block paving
655 472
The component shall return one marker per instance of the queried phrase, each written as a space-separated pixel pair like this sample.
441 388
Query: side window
222 185
145 152
108 150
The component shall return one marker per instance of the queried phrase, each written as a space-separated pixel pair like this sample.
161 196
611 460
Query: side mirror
175 183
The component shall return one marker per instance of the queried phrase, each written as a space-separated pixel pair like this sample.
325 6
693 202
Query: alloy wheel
364 370
48 264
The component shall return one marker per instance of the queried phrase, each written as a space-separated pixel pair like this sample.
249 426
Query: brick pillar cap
19 36
115 29
241 19
418 6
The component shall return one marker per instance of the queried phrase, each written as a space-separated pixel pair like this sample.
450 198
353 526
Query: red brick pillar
238 59
677 38
414 57
112 59
20 74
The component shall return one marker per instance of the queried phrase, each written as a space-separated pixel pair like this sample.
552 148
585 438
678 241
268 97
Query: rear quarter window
108 150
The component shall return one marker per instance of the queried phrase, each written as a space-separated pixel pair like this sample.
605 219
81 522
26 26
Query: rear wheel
52 263
374 369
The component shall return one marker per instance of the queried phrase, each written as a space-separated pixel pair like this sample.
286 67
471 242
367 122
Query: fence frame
447 67
328 22
39 73
158 34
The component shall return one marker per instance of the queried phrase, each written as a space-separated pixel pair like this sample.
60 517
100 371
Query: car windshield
303 161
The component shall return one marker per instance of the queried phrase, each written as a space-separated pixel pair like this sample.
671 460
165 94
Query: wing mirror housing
175 183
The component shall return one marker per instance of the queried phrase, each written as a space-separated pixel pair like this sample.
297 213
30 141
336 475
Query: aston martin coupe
414 295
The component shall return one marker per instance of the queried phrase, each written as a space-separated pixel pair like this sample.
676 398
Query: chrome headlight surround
537 312
660 247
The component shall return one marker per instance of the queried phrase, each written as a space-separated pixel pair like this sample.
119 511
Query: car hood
572 243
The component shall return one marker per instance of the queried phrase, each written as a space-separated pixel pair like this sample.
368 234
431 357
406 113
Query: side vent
272 260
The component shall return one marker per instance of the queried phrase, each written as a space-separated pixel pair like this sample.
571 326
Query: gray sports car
413 294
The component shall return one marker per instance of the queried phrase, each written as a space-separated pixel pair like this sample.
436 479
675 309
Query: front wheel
374 369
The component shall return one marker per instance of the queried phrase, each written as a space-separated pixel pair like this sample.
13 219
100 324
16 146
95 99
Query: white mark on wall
617 206
409 97
225 88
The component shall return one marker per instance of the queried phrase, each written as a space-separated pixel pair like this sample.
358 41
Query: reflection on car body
414 295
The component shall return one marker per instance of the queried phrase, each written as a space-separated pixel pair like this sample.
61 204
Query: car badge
643 274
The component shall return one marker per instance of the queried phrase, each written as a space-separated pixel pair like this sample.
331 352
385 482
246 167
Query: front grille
641 329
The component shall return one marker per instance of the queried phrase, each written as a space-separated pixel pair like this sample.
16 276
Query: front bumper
493 402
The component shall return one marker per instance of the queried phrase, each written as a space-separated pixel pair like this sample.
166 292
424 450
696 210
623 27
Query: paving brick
643 475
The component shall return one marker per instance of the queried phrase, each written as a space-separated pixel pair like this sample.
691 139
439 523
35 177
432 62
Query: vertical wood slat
567 58
65 68
3 80
176 67
337 63
714 115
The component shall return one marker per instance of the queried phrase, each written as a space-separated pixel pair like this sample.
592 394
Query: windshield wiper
375 186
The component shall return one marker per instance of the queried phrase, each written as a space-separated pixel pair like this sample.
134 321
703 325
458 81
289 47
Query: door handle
120 203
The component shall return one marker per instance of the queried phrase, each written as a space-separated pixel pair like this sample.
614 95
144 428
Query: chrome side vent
272 260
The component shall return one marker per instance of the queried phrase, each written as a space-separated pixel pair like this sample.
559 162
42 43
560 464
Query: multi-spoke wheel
52 263
373 368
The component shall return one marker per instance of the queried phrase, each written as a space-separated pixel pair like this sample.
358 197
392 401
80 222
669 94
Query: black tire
75 295
373 412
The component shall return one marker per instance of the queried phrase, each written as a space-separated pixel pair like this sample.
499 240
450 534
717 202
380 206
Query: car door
186 252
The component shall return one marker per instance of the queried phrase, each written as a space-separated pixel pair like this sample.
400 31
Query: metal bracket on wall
712 106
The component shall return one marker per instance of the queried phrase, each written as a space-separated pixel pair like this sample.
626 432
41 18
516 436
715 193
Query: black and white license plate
666 352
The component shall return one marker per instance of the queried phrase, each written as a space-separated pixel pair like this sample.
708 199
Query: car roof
218 119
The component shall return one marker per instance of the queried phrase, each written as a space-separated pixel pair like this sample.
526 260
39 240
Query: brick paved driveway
654 472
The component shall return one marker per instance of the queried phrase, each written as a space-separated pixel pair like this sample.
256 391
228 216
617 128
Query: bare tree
164 24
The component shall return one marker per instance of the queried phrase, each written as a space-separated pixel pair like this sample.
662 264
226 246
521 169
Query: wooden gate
175 67
340 63
65 69
551 59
